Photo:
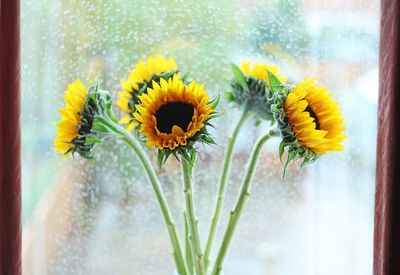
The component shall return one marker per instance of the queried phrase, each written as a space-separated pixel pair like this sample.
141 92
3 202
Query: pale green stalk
222 184
188 249
240 202
187 172
155 183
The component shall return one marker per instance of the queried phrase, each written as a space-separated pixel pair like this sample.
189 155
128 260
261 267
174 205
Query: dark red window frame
387 193
10 139
387 196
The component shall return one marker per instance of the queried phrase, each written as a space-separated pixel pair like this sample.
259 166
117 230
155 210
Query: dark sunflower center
174 113
313 115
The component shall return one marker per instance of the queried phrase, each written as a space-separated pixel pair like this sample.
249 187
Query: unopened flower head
250 88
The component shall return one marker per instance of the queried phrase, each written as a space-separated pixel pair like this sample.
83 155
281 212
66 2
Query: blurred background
100 216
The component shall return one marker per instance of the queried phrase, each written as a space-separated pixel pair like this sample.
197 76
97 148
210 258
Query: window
100 217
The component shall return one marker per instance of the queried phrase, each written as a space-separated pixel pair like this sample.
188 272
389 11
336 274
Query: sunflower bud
250 87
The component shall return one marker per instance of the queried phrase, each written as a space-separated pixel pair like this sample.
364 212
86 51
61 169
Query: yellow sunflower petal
67 130
259 71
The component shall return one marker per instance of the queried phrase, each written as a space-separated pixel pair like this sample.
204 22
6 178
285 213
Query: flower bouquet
164 110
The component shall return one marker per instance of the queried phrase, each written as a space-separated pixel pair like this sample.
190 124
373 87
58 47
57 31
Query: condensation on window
100 216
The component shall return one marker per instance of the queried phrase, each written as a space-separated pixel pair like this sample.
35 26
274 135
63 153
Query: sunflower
315 118
250 88
141 78
173 115
68 126
75 131
309 119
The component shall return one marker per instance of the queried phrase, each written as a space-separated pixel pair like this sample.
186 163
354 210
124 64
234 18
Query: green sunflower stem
222 184
240 202
188 249
155 183
179 259
187 172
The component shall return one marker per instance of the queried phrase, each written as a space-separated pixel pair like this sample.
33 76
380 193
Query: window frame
387 193
10 139
387 190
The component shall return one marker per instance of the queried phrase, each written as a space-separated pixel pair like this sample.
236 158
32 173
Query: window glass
100 216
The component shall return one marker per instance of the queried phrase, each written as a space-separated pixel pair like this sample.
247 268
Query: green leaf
239 76
257 122
274 82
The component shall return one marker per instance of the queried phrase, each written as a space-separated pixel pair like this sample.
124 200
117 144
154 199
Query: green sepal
143 88
303 163
100 125
187 151
93 140
162 157
214 103
189 155
206 138
185 77
93 89
167 75
211 116
86 154
290 157
97 99
100 128
281 149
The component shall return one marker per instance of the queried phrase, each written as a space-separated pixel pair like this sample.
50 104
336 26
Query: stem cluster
195 262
